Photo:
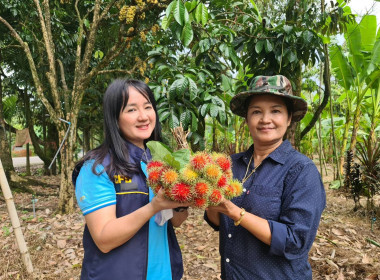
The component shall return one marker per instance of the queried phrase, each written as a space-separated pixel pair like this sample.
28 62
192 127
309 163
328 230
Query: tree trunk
86 139
344 143
355 128
5 153
66 191
293 134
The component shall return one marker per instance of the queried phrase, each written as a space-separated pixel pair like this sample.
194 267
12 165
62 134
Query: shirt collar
138 154
278 155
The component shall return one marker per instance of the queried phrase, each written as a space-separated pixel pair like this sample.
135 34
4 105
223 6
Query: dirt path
340 251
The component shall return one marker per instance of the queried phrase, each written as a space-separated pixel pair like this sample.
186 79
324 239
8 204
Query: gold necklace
253 171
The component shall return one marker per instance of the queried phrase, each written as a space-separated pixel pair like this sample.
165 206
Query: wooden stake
15 220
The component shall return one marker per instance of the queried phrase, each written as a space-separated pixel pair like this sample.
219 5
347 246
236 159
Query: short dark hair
114 101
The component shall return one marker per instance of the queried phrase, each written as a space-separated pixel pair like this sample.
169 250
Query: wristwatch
180 209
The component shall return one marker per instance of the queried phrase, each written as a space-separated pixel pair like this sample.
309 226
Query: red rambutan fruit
169 176
200 202
222 181
201 189
156 188
228 174
199 160
215 197
229 191
181 192
154 164
223 161
237 186
154 176
212 172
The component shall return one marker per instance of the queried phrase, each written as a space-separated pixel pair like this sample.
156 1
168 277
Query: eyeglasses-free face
138 119
267 119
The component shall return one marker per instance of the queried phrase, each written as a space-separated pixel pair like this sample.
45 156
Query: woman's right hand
160 202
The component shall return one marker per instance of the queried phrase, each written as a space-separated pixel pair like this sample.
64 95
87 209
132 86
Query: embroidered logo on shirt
120 178
82 198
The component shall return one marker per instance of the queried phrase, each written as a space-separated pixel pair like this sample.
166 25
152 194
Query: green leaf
201 14
226 83
87 23
341 67
368 32
158 150
259 46
165 23
307 36
256 10
288 29
335 185
268 46
204 109
170 8
173 120
164 115
194 122
182 157
214 110
193 89
375 58
180 12
187 34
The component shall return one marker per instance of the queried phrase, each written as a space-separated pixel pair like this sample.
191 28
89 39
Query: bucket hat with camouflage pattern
277 85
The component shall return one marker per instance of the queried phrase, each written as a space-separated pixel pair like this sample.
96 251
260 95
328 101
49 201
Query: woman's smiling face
138 118
267 119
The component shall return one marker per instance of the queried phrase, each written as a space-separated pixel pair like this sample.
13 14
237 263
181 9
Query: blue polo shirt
130 260
287 190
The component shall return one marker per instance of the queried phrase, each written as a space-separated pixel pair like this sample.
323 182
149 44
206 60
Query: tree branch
51 75
33 69
326 95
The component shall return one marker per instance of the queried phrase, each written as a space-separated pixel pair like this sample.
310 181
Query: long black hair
114 101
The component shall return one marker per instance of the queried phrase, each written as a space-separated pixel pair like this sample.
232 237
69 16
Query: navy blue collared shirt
288 192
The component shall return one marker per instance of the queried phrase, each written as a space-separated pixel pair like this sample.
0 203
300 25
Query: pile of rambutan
204 180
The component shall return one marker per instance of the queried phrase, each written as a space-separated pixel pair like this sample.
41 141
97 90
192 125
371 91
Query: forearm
257 226
116 232
179 218
213 216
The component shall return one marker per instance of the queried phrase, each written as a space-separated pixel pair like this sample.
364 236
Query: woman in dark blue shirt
267 232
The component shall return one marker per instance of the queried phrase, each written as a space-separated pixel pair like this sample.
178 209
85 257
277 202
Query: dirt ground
345 247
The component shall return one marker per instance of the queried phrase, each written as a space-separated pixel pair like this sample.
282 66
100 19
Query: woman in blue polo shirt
267 232
124 237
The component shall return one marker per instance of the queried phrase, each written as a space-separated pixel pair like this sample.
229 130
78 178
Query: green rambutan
223 161
215 197
169 177
200 202
181 192
201 189
199 160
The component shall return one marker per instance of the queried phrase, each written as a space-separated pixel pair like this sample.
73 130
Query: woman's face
138 119
267 119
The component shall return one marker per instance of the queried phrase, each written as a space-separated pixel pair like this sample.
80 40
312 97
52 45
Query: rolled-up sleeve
303 202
